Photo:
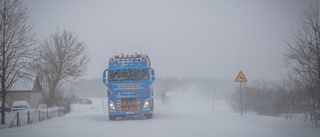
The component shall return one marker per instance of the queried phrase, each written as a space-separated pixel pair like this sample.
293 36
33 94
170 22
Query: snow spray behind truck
129 80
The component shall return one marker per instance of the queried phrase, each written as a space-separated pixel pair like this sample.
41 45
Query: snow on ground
186 115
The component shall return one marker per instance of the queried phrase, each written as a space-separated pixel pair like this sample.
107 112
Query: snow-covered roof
36 87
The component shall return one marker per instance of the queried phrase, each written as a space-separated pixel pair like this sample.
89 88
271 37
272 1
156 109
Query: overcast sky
183 38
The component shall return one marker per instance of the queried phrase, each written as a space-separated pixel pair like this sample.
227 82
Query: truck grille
128 108
129 103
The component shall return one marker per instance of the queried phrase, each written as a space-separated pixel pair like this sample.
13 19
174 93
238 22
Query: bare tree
63 58
16 41
303 58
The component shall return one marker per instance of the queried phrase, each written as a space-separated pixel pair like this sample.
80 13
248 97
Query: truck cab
129 80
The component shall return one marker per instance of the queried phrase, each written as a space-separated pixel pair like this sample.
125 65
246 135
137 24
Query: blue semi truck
129 80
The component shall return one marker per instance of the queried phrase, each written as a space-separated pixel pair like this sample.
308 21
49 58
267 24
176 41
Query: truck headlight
146 103
111 105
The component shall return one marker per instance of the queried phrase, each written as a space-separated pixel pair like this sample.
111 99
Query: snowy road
181 117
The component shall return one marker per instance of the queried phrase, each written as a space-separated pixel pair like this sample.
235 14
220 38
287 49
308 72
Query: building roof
36 87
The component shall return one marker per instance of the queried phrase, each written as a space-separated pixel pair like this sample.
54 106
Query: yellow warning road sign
241 77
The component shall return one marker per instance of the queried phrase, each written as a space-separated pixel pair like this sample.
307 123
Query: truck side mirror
105 74
153 78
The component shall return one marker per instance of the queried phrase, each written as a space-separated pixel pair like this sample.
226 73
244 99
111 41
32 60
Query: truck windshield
128 74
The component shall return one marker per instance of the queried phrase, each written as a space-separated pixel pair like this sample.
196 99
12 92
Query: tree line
303 62
203 86
90 88
56 60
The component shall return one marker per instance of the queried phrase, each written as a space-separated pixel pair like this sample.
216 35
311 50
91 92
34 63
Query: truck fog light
111 105
146 103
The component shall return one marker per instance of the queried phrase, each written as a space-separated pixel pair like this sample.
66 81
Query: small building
31 96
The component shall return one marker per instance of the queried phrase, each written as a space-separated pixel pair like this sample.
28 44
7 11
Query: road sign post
241 96
241 78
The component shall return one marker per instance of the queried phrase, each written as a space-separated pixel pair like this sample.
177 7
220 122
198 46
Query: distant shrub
264 98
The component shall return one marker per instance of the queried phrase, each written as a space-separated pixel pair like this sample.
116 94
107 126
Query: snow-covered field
183 116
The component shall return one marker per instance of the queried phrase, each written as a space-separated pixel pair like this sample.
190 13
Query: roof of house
36 87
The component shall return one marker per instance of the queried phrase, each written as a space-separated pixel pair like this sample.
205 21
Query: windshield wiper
137 79
119 79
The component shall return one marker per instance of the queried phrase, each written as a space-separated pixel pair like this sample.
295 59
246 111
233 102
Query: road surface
183 116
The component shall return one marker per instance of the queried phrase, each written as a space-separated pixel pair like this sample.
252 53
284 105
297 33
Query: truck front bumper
131 107
136 112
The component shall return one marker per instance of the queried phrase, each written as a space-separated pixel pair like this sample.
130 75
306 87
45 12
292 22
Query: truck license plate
129 112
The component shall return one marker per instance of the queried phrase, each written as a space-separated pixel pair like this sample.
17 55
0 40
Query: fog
183 38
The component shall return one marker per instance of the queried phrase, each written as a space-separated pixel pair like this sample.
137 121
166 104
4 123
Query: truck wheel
148 116
112 117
